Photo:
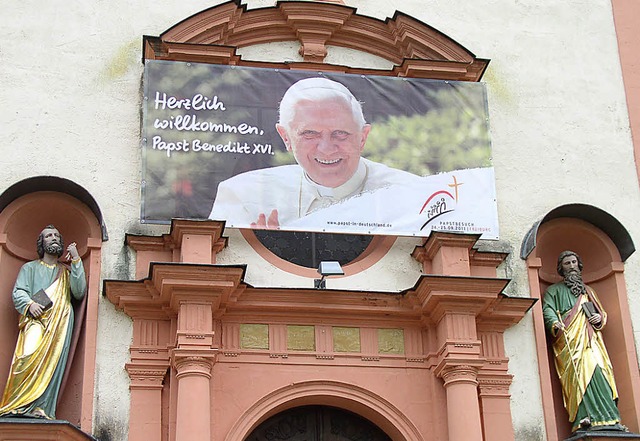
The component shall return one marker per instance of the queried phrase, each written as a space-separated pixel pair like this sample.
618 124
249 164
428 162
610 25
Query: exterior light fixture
327 269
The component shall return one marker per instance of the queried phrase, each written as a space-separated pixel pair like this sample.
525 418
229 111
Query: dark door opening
317 423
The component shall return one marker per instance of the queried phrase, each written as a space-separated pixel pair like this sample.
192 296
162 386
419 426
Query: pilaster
469 314
145 417
495 406
173 325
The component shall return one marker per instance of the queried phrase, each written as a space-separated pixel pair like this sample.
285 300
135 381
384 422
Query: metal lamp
328 268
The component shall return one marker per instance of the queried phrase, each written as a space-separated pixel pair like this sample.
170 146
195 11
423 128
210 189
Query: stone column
193 419
193 359
463 410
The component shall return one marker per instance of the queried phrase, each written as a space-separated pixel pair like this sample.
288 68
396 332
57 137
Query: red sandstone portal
213 357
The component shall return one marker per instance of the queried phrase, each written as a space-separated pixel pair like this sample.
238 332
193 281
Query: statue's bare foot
585 423
39 413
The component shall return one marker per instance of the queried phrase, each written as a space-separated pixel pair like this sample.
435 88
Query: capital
459 374
193 365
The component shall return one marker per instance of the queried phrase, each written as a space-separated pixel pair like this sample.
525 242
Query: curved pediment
415 48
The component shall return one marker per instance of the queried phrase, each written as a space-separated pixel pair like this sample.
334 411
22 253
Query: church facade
196 330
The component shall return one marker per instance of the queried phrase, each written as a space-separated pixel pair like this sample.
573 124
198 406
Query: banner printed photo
308 151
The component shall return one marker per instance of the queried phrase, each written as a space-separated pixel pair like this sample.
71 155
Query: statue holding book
574 317
42 296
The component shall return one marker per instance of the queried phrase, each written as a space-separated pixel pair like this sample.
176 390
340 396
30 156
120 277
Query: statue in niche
42 296
574 317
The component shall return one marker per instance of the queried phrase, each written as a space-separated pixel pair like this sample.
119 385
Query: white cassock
242 198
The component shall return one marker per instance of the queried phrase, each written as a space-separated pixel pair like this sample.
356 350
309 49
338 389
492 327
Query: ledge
32 429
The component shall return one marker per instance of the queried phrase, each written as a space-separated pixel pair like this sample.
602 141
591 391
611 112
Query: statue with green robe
574 317
42 296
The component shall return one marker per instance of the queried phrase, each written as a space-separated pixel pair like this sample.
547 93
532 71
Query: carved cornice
314 31
428 250
214 229
148 243
160 295
438 295
504 312
486 258
416 49
338 303
173 240
137 299
170 287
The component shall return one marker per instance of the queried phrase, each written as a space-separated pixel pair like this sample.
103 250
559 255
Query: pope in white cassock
322 124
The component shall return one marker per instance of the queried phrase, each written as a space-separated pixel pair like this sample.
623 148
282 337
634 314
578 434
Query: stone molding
328 392
417 50
180 228
495 386
146 376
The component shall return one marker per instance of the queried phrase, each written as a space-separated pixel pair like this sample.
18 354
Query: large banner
314 151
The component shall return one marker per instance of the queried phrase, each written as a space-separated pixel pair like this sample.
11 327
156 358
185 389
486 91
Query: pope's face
325 140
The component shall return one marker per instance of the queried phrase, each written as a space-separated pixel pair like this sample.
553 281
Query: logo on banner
440 202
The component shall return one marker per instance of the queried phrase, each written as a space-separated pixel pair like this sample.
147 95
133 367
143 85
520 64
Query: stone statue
574 317
42 296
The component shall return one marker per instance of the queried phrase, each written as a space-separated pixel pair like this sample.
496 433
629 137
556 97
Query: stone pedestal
33 429
603 435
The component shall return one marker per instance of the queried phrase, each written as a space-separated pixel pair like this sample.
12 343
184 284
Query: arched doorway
317 423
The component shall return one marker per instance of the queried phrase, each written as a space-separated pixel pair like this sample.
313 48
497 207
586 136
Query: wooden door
317 423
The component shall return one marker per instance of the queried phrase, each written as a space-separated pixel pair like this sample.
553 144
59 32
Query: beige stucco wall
70 106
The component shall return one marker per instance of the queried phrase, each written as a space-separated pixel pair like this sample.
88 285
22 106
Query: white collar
354 184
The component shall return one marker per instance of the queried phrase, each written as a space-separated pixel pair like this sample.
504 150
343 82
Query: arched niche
593 215
604 272
22 218
60 185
